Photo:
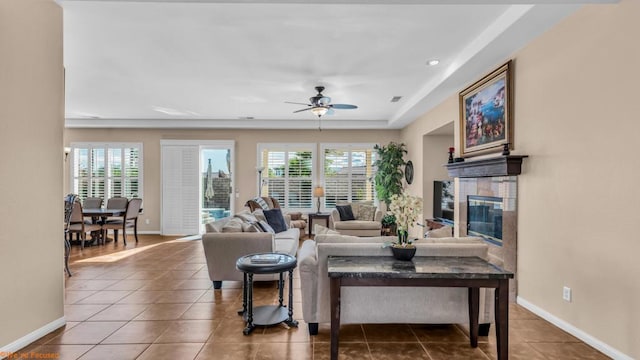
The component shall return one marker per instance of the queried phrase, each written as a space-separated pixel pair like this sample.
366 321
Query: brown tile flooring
159 304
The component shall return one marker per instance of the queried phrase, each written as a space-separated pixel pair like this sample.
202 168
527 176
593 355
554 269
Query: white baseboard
596 343
33 336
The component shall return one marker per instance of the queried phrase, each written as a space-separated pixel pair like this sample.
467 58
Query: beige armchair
368 220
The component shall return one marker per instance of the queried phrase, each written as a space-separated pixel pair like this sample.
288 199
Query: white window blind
288 174
348 173
106 170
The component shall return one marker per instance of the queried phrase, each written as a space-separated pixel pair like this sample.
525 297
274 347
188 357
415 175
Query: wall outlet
146 221
566 294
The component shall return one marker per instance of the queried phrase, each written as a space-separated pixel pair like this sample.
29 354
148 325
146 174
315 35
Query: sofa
367 220
421 305
225 242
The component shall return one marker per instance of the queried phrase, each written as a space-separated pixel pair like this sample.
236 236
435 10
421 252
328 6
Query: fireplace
484 218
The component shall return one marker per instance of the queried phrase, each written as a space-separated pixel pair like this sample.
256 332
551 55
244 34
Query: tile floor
155 301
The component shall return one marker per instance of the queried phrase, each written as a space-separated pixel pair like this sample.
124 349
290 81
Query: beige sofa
222 249
422 305
360 226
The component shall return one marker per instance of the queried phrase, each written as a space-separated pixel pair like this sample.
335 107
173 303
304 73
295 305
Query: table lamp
318 192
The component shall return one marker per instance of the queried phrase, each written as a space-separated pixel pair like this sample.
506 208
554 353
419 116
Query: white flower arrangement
406 209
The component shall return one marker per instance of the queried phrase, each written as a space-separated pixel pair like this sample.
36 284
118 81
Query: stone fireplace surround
494 177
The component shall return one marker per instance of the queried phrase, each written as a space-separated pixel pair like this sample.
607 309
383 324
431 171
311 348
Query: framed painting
486 121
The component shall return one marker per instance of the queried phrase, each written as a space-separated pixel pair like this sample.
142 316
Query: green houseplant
389 174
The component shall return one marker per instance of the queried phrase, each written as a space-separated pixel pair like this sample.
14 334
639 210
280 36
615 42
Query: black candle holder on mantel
450 155
505 150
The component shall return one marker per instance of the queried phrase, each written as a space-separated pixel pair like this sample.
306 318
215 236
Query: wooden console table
437 271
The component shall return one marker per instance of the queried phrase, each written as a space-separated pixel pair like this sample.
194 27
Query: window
348 173
287 174
106 170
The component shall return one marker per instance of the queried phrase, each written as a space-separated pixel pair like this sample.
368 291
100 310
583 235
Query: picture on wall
486 122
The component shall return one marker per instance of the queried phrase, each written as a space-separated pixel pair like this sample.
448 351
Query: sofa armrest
335 217
222 250
378 216
308 267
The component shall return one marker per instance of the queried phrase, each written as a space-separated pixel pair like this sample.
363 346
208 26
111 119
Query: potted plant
406 209
389 173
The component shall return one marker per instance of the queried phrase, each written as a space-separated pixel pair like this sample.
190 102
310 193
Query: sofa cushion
337 238
275 219
445 231
366 212
358 225
232 226
246 216
265 226
346 213
322 230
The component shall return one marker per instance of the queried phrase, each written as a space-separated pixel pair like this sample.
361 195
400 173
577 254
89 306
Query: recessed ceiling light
433 62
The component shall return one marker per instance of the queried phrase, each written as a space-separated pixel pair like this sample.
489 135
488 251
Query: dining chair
92 203
69 200
130 219
78 226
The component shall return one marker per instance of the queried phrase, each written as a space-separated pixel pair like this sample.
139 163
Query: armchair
368 220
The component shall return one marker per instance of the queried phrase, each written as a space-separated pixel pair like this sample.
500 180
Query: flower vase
403 253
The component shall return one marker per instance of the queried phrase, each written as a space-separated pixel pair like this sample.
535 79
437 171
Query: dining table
103 214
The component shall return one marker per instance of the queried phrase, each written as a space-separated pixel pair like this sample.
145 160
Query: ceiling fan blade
330 112
297 111
343 106
296 103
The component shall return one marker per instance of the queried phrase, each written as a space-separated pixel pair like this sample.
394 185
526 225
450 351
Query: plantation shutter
180 190
288 174
106 170
348 173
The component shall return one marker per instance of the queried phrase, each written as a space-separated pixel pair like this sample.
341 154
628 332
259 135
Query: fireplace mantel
497 166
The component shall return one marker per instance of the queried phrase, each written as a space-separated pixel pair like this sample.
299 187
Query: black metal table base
266 315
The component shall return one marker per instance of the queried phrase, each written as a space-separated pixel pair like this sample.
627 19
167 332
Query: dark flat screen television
443 200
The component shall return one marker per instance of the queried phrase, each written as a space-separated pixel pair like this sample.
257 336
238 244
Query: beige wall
246 154
31 122
428 153
576 116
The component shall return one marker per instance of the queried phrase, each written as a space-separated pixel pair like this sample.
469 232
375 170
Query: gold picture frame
486 113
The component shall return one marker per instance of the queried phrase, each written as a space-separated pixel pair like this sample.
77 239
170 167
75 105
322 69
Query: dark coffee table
266 263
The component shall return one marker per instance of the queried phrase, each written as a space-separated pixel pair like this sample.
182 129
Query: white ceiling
212 64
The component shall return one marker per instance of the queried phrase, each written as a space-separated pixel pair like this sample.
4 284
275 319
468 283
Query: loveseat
367 219
225 242
421 305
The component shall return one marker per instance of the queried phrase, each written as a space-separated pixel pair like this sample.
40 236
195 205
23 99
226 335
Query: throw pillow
265 227
250 227
246 217
232 226
259 214
276 220
366 212
345 212
212 227
445 231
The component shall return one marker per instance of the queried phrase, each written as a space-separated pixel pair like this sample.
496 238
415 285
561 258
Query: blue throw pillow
345 212
275 219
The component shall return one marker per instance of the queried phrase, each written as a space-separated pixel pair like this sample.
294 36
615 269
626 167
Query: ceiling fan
321 105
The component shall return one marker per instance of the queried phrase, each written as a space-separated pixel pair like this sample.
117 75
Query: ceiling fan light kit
321 105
